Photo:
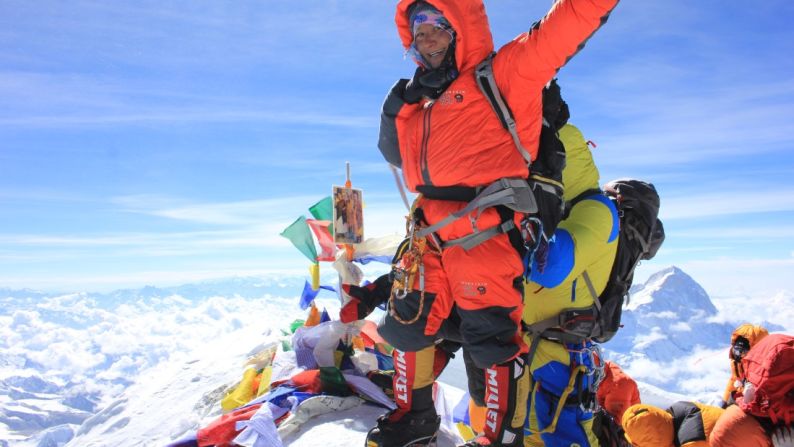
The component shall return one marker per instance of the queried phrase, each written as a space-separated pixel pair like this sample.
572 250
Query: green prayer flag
324 210
301 237
295 325
333 382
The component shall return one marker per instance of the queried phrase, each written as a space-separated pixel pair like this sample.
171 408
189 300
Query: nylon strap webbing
504 191
487 83
474 239
592 290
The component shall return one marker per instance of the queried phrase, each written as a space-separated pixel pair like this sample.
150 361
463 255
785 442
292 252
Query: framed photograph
348 215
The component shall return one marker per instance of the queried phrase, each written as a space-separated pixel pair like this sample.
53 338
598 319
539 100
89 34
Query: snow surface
143 367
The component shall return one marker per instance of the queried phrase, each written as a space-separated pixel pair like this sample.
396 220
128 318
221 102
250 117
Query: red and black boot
416 427
506 391
415 421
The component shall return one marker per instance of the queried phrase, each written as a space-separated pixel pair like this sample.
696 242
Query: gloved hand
415 90
548 195
783 437
363 300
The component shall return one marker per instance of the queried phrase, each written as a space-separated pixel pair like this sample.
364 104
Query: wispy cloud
161 277
198 239
247 229
685 205
667 129
131 114
249 212
41 194
764 232
669 250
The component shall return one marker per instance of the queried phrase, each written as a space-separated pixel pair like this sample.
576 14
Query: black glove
415 90
548 195
363 300
555 109
546 180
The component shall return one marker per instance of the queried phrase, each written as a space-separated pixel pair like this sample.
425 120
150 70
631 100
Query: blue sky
165 142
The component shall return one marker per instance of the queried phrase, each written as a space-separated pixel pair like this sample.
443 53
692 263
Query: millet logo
401 384
492 404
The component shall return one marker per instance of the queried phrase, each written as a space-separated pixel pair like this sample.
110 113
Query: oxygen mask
740 348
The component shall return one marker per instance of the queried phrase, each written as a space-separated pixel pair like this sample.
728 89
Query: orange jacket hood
648 426
752 333
473 41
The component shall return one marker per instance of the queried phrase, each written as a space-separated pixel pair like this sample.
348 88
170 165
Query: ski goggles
428 16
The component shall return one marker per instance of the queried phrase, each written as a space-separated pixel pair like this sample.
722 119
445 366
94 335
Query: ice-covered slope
65 357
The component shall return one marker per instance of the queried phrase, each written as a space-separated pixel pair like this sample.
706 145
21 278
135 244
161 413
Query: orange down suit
457 140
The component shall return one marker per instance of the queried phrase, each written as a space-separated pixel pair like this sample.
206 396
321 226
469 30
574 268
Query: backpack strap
487 83
592 290
569 326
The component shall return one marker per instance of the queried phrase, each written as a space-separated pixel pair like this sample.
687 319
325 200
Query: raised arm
539 53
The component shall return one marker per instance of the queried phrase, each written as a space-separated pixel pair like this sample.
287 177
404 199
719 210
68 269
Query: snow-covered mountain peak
672 290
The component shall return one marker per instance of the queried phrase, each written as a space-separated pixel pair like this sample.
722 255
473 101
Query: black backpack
640 236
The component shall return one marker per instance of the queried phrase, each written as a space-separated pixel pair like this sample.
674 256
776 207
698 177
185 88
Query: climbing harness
590 368
513 193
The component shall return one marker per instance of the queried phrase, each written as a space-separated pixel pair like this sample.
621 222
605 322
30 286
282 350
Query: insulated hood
752 333
467 17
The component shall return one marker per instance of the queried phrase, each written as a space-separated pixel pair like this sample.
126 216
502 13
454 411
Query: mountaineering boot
414 422
412 429
506 391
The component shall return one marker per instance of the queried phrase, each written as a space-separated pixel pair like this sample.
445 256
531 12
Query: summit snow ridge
114 358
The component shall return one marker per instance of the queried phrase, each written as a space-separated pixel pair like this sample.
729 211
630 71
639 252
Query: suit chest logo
451 97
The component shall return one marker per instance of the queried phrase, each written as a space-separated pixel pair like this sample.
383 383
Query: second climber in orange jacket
743 338
617 391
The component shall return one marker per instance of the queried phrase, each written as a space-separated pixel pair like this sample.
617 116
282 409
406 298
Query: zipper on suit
425 139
